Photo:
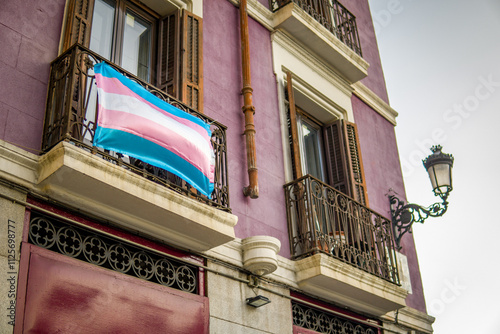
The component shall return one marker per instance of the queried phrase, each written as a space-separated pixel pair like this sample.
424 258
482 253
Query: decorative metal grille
71 116
321 218
82 244
332 15
323 322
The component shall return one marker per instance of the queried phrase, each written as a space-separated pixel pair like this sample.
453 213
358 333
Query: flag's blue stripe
149 152
108 71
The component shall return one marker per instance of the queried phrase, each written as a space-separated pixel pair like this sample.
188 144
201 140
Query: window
131 47
329 152
164 49
311 145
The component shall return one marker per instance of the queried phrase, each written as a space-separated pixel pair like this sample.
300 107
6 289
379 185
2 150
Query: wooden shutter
169 55
293 137
180 69
78 23
336 157
356 164
344 163
192 61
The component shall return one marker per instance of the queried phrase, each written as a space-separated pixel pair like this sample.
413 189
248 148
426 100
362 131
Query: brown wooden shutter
356 164
344 163
336 157
78 23
293 137
192 61
169 55
180 71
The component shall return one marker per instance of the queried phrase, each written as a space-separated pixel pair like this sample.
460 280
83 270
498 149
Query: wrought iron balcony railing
71 115
332 15
322 219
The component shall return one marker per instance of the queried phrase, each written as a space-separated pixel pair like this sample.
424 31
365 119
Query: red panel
300 330
65 295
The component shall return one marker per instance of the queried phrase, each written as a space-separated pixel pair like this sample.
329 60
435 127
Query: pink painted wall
383 172
29 33
375 79
223 101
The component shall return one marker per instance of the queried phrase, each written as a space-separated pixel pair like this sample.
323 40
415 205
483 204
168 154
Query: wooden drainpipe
248 109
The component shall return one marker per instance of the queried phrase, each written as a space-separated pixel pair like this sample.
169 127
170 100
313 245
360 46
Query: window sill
342 283
77 178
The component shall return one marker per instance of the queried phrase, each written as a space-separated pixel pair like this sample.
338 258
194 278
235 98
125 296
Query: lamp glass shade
439 166
440 176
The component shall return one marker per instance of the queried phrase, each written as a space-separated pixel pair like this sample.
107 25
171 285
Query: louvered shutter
78 23
344 163
192 61
293 137
169 55
356 164
336 157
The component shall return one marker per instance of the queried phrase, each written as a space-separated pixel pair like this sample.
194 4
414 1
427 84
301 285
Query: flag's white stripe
135 107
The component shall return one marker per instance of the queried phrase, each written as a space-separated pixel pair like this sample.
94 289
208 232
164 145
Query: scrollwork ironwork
322 219
69 242
50 233
323 322
404 215
42 232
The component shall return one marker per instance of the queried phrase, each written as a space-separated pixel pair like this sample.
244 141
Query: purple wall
383 172
29 33
223 101
375 79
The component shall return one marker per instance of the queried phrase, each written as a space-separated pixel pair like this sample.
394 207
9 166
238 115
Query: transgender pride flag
134 122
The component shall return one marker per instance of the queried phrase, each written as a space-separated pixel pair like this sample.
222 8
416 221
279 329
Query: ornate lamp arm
404 215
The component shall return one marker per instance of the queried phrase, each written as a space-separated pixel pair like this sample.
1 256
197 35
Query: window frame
122 7
341 148
189 77
304 118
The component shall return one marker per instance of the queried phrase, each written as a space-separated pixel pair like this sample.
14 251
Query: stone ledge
412 318
342 283
75 177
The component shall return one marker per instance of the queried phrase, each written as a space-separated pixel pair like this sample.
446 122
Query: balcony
117 187
327 28
343 250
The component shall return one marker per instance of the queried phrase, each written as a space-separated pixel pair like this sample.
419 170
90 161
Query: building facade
305 154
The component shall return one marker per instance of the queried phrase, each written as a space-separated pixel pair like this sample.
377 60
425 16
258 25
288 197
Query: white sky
441 62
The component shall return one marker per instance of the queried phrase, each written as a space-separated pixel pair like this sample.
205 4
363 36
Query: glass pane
311 151
136 50
101 38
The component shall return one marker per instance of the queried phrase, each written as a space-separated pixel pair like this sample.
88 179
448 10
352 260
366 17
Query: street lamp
439 166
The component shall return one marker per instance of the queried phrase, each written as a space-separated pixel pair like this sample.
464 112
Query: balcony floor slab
344 284
78 178
314 36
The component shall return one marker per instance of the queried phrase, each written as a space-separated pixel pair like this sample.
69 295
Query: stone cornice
17 165
294 48
375 102
411 318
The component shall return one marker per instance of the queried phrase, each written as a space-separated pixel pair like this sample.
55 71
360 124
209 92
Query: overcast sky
441 62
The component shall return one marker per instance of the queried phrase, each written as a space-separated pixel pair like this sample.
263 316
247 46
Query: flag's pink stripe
170 140
113 85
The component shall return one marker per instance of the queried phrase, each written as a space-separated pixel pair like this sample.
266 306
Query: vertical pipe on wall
248 109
